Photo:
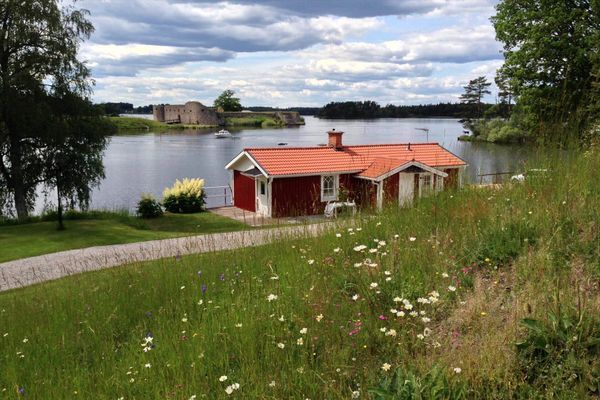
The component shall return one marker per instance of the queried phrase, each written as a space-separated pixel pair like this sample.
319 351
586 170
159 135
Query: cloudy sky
289 52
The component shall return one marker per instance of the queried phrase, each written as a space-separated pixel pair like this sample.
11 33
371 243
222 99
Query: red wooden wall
244 191
302 195
296 196
451 181
391 186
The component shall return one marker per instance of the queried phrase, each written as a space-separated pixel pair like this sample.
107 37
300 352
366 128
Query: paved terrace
29 271
253 219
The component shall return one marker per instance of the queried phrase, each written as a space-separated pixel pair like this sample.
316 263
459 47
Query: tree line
371 109
115 109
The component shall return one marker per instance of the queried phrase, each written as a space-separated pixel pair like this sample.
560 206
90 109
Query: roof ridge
344 147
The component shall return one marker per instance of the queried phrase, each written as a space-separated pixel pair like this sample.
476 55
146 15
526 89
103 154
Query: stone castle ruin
191 113
195 113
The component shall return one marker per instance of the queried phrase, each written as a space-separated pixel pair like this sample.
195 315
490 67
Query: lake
149 162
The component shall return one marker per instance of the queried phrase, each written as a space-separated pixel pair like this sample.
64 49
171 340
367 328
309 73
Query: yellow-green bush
185 196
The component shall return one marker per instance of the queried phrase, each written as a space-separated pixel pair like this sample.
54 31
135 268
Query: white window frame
439 183
422 190
336 188
262 185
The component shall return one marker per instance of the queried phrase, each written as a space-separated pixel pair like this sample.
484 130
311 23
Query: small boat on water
223 133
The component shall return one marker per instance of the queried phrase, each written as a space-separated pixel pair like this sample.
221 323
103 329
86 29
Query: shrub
503 243
561 349
149 207
186 196
407 385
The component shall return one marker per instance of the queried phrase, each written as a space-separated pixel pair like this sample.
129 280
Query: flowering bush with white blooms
185 196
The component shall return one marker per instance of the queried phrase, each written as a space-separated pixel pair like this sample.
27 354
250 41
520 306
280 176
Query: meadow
478 293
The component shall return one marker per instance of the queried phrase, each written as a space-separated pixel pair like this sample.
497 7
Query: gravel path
29 271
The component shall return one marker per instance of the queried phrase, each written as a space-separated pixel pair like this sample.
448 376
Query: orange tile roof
381 166
378 158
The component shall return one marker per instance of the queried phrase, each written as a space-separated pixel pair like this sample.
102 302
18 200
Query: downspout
270 196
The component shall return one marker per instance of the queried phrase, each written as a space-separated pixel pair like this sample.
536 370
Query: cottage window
263 189
439 183
425 184
329 187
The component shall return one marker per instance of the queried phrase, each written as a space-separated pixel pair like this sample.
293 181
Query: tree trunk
16 180
61 225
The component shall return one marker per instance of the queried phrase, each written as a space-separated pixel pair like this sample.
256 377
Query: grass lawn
32 239
475 294
139 124
253 121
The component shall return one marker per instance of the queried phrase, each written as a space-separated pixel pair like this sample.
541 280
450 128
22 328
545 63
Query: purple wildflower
222 277
203 288
21 390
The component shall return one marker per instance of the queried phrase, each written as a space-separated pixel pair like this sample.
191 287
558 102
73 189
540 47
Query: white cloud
283 53
454 44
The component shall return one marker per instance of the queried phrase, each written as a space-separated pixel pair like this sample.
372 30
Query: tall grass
330 318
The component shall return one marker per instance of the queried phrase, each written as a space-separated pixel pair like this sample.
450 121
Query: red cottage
293 181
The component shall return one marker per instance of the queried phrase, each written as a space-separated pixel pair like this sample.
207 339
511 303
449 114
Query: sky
286 53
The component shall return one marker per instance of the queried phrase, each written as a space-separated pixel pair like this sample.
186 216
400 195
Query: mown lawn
32 239
253 121
128 124
474 294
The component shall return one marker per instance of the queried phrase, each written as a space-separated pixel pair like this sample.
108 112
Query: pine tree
474 93
505 94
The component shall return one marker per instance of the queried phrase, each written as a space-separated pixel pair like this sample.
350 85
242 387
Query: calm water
147 163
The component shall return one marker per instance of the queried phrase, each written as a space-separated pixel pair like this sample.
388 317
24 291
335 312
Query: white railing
218 196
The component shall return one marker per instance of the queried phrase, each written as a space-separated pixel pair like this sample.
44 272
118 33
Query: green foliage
227 101
45 115
500 244
149 207
496 130
553 347
371 109
505 95
406 385
186 196
550 51
115 109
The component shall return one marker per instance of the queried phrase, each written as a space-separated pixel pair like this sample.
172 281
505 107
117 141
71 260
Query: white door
406 189
262 197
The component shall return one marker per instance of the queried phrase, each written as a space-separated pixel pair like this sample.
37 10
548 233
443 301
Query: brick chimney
335 139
